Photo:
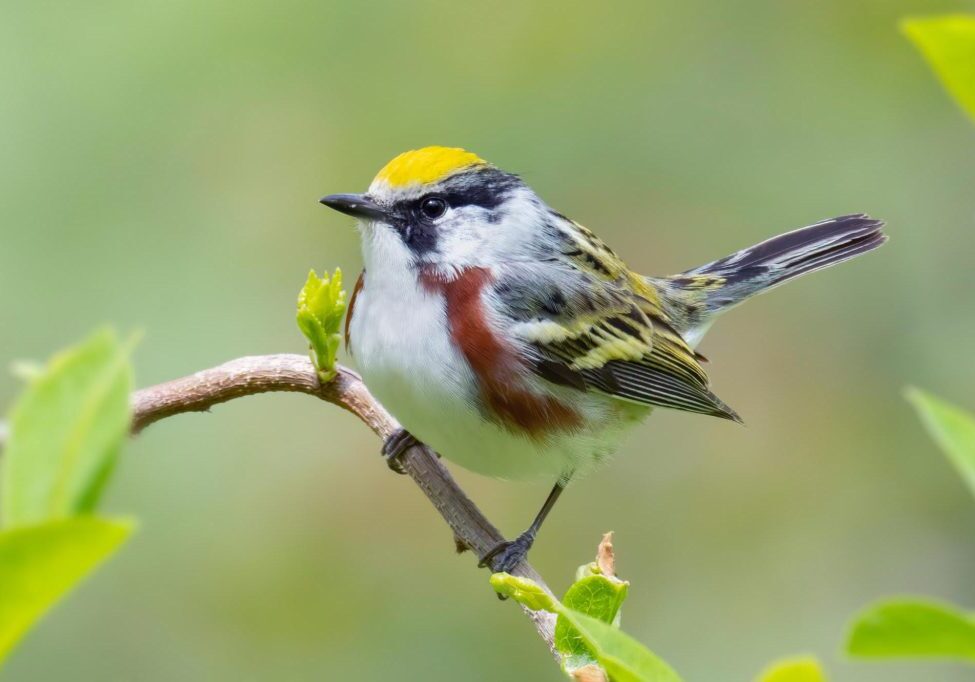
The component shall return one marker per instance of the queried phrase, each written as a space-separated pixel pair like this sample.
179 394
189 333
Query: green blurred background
160 165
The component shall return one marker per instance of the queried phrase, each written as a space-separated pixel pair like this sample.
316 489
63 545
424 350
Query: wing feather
587 323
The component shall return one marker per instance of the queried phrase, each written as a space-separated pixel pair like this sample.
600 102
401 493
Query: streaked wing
585 322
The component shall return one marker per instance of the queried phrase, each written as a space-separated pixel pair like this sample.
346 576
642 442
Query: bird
514 342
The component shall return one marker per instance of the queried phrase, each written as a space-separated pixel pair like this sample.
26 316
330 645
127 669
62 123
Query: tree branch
295 373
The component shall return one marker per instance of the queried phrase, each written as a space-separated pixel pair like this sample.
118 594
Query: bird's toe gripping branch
504 556
399 442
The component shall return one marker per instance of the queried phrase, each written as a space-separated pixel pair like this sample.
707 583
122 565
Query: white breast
401 344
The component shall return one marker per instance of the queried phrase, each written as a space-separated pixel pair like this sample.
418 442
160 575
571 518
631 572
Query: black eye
433 207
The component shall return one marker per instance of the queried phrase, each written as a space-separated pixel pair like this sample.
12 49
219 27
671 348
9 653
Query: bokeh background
160 164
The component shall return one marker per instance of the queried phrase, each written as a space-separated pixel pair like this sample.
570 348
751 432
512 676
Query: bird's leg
395 445
507 554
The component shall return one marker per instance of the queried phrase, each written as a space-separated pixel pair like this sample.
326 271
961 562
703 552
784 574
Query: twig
290 372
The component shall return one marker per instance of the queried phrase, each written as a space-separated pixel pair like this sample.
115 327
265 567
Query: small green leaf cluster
588 638
66 431
587 629
321 306
593 594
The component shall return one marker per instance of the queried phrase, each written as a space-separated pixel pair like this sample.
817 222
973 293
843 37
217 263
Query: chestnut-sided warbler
513 341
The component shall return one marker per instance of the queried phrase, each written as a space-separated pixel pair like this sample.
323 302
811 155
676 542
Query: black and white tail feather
718 286
766 265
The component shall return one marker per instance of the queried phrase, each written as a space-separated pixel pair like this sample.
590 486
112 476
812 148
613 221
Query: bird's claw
394 447
505 555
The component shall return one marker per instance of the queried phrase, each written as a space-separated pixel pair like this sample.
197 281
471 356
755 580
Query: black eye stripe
485 187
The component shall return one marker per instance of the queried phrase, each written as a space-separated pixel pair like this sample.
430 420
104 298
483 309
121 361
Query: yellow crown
426 166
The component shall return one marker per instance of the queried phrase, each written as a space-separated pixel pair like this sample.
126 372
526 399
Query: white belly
402 347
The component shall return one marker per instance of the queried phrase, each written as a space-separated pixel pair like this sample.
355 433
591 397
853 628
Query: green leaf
526 592
40 563
583 639
321 305
912 628
65 432
802 669
597 596
952 428
623 658
948 45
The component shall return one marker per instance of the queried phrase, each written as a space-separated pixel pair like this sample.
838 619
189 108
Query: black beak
357 205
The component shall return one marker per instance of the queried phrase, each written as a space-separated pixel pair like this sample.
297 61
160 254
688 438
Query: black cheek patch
421 238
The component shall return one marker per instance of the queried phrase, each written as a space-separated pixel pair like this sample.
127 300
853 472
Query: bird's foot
394 447
504 556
